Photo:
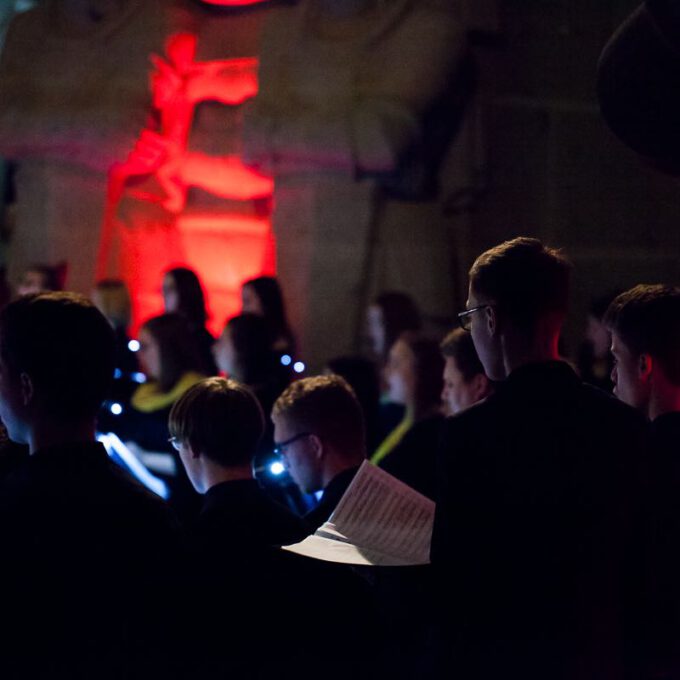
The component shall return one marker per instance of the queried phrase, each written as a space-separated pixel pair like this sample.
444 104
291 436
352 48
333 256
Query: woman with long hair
414 379
262 296
183 294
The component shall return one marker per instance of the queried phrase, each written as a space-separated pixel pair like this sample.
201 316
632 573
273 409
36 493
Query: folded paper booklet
378 521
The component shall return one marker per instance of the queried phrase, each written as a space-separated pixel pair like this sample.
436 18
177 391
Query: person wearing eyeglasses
216 427
540 489
319 432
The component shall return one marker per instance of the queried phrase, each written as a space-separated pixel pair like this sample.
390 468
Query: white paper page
379 520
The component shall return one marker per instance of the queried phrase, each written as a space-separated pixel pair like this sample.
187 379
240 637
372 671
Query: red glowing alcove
151 223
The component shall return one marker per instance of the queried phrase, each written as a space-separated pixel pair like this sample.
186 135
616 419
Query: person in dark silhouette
90 554
541 492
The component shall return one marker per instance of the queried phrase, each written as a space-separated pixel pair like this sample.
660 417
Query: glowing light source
116 409
298 367
133 345
277 468
139 378
117 373
286 360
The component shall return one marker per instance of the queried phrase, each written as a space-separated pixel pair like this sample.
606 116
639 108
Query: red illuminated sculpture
150 211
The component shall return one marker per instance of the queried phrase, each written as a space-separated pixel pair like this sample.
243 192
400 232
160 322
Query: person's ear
27 390
645 367
317 446
479 386
491 319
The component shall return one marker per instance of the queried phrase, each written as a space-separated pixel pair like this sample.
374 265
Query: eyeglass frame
280 449
465 315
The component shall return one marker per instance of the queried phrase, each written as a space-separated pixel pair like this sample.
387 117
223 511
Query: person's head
217 422
244 349
519 288
465 382
391 314
262 296
413 374
112 299
39 278
167 350
183 294
319 429
56 361
645 326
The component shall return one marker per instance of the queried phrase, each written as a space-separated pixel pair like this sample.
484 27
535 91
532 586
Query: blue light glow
277 468
139 377
133 345
286 359
117 373
116 409
298 367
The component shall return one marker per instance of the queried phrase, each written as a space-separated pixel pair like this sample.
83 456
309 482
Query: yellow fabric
149 398
392 440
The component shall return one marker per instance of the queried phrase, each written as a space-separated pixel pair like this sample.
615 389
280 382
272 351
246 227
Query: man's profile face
299 455
629 386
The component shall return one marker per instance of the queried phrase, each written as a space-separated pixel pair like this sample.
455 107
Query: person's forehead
618 346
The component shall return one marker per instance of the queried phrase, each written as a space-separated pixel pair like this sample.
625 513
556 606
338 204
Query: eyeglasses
280 448
176 443
465 318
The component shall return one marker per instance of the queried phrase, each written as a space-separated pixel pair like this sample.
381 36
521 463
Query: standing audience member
465 382
645 326
414 379
245 353
216 426
319 430
169 359
183 294
270 623
389 315
540 490
263 296
88 555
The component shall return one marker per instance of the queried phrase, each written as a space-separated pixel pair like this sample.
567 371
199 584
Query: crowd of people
554 545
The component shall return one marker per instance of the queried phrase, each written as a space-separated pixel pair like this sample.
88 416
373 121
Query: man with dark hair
465 382
539 486
645 326
87 552
216 426
319 428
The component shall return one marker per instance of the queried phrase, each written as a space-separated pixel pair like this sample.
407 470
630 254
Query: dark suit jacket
240 514
265 613
535 529
88 559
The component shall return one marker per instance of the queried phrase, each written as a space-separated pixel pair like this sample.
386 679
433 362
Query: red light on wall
159 230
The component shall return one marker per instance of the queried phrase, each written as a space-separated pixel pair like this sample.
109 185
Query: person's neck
49 434
216 474
521 350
